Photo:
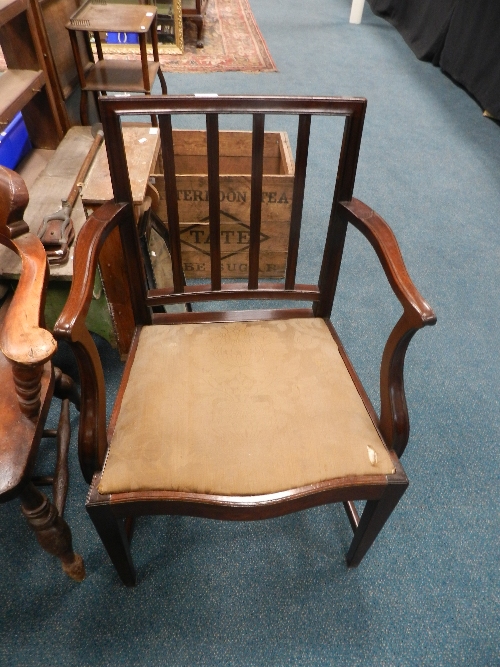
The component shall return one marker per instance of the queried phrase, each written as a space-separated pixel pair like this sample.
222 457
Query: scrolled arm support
70 326
394 421
23 342
13 201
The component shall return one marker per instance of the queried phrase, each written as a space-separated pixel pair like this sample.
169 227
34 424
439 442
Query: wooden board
142 143
234 197
33 164
235 150
197 264
235 237
235 143
52 185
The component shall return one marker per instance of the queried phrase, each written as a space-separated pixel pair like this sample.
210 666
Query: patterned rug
232 43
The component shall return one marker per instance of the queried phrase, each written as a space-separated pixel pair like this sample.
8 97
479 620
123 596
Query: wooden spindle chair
28 383
244 414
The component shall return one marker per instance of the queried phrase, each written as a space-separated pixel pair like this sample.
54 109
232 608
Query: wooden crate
235 151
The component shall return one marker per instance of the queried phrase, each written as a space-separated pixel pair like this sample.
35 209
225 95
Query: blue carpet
278 592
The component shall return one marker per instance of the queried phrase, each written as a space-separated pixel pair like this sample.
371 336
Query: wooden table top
100 17
142 143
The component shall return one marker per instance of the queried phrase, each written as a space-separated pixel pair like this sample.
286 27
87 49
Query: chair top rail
113 108
234 104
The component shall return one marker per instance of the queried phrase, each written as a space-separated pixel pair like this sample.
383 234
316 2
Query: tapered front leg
115 533
374 516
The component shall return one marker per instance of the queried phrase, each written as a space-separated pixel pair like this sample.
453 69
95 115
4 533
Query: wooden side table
123 76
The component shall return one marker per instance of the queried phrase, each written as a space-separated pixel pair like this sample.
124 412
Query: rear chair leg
114 533
374 516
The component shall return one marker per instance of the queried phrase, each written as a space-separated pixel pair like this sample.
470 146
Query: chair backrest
115 111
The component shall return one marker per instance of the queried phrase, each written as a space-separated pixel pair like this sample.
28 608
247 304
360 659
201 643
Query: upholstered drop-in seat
241 408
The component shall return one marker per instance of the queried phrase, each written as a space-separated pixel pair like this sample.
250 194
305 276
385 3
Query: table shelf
119 76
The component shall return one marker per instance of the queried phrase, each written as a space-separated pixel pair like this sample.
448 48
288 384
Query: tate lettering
228 237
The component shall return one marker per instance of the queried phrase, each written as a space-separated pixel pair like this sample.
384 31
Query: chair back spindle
167 147
256 199
337 228
298 199
213 198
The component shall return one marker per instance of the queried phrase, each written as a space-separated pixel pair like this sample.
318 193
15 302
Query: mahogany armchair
28 382
239 414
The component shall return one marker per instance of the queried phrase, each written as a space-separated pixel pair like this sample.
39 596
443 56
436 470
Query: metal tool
57 231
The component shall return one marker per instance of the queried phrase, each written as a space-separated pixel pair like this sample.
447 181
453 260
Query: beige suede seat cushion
240 409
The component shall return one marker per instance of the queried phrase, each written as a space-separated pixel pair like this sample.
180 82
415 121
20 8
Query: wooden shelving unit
23 86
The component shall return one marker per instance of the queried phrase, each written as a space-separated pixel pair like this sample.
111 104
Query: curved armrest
23 341
394 421
88 246
70 326
382 238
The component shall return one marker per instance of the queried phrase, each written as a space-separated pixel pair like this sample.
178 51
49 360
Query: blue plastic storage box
122 38
14 143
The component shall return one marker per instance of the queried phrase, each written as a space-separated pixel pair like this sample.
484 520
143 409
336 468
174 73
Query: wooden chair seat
248 408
